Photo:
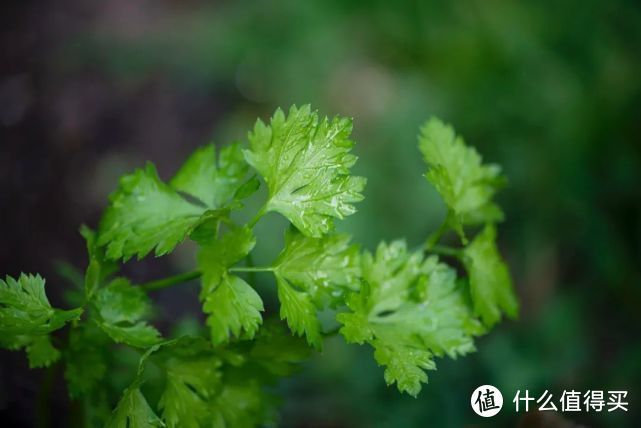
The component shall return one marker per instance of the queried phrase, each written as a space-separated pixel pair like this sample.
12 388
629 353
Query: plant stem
445 250
433 239
172 280
43 413
251 269
258 215
250 264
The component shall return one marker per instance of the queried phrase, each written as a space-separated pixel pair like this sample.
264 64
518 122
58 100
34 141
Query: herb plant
409 305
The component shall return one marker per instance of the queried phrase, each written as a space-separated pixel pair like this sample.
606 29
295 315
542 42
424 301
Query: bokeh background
549 89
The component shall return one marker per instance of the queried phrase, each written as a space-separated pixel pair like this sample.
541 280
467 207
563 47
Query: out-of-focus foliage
459 176
551 90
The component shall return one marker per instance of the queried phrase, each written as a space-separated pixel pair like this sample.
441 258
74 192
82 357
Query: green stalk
251 269
172 280
43 412
444 250
258 216
433 239
250 263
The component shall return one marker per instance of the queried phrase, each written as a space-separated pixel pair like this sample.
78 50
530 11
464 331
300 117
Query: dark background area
551 90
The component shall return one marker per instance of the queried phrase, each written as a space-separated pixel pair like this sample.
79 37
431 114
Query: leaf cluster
409 305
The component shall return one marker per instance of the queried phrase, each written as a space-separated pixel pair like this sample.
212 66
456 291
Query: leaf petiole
169 281
444 250
251 269
258 216
433 239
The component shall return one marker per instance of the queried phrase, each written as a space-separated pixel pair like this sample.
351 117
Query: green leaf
26 318
447 324
234 309
216 255
300 312
121 302
232 304
146 214
277 351
490 282
41 352
25 309
99 268
322 267
85 359
356 327
243 404
405 365
133 411
213 183
121 307
310 273
202 389
409 310
248 188
456 171
191 383
306 162
140 334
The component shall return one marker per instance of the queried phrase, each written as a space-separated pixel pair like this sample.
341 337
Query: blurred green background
551 90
